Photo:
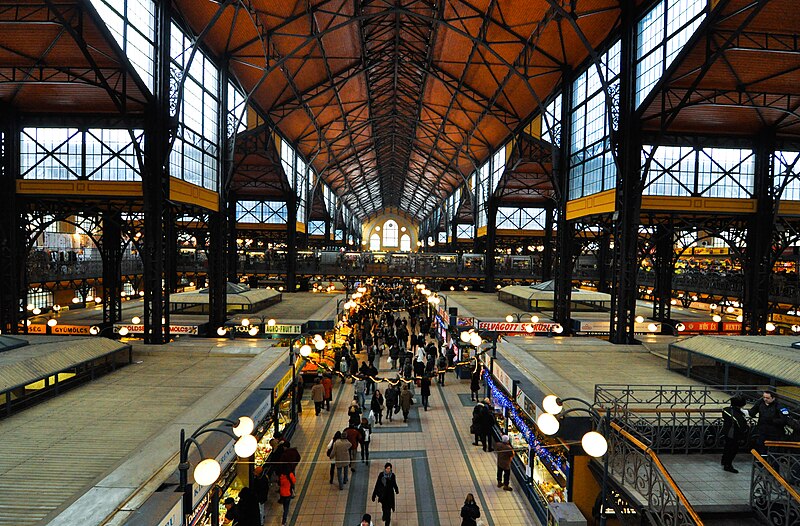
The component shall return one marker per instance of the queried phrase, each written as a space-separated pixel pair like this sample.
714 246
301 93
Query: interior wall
369 227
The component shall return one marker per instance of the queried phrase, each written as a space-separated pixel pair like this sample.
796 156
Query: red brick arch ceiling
396 102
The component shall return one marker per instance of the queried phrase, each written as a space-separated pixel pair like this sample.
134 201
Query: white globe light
729 310
52 322
717 318
558 329
319 345
534 319
244 427
509 318
30 306
305 351
222 331
547 423
740 318
529 328
594 444
552 405
639 319
94 330
770 326
465 336
123 331
245 322
270 323
136 320
795 328
680 327
207 472
36 311
317 337
253 331
246 446
76 300
652 327
476 339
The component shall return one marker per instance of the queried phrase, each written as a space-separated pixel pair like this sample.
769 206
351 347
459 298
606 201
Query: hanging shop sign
173 329
711 326
502 378
200 493
283 329
263 410
604 327
70 329
34 329
502 326
465 321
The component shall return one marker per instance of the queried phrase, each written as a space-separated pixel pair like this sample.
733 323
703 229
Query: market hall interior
585 212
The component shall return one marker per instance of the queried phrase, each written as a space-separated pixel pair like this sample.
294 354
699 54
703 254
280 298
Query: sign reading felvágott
502 326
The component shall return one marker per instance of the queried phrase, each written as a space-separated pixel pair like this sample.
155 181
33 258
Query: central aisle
433 457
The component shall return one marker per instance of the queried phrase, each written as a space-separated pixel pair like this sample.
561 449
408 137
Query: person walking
406 401
289 459
318 396
734 430
392 396
261 488
425 390
353 434
504 455
366 520
327 384
470 511
771 419
376 405
286 484
340 453
385 490
366 433
329 452
487 424
441 367
354 413
477 422
360 390
475 384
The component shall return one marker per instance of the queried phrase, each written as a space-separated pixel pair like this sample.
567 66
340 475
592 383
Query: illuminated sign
502 326
70 329
283 329
173 329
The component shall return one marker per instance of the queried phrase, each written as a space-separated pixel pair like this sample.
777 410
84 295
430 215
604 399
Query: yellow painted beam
789 208
602 203
188 193
698 204
79 187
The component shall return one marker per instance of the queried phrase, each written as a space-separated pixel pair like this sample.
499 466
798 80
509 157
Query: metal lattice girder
397 102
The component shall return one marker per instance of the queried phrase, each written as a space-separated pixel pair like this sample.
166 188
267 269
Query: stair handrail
662 470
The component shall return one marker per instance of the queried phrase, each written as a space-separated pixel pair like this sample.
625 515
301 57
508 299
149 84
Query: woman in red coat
285 485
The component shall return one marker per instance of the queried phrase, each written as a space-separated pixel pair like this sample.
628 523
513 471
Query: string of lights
554 461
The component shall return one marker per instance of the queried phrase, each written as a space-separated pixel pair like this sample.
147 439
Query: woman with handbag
470 513
286 484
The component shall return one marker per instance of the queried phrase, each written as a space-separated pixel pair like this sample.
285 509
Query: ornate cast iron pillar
629 189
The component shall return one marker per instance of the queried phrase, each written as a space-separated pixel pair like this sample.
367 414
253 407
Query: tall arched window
405 243
390 233
375 242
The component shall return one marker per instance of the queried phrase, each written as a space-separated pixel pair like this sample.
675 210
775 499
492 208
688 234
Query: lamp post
518 316
208 470
595 444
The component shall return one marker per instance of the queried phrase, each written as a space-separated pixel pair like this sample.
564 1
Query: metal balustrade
774 485
635 467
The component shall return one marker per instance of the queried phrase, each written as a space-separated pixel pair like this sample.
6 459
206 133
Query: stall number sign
503 326
282 329
173 329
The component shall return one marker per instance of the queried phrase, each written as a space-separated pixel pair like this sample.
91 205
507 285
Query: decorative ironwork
774 502
633 468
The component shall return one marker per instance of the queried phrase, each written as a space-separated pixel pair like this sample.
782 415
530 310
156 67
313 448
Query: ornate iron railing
637 469
774 494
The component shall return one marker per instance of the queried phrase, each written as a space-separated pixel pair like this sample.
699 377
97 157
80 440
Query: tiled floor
707 486
435 464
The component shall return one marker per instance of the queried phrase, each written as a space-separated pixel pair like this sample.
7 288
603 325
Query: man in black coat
385 490
771 419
